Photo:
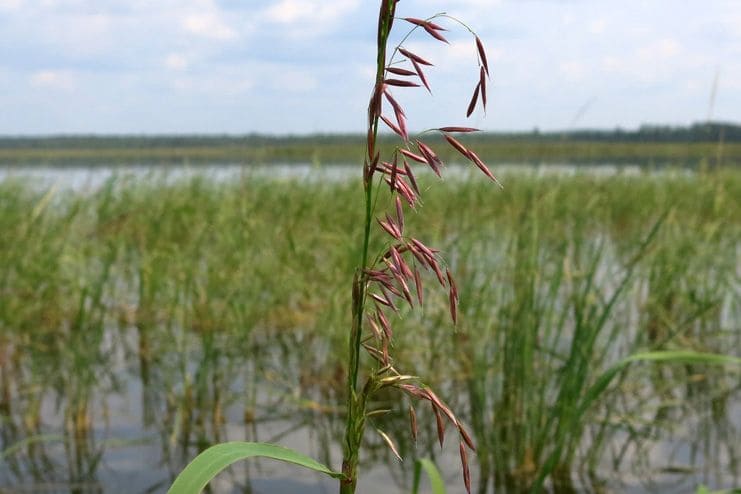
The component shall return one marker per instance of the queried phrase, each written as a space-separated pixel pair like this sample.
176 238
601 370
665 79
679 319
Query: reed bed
205 288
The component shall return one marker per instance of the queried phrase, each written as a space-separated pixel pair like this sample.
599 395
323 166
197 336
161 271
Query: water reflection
140 420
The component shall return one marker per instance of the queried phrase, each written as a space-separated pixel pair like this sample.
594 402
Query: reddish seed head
430 157
443 408
418 255
421 75
418 285
392 126
415 21
435 34
400 83
393 176
374 328
429 255
474 99
464 434
381 300
457 145
399 213
407 193
392 101
464 464
453 305
414 57
390 228
413 156
413 422
458 129
440 425
436 268
482 54
381 318
384 322
480 164
482 82
412 180
402 123
451 281
400 71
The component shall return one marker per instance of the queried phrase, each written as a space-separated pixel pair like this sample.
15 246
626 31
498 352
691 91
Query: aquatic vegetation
204 322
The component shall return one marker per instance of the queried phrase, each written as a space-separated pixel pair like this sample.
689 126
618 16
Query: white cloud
660 49
572 70
597 26
11 4
316 13
208 25
176 61
217 84
53 79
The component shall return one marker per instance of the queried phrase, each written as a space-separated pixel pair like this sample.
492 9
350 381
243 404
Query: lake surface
91 177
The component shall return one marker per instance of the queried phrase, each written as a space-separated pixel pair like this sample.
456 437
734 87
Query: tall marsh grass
559 279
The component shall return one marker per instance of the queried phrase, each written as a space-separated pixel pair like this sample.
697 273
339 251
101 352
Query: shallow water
91 177
145 400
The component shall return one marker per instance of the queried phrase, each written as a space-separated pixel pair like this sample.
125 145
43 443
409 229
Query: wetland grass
155 270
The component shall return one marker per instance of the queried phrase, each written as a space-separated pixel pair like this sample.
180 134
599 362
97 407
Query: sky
307 66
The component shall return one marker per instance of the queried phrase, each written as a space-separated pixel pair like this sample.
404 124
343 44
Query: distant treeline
711 143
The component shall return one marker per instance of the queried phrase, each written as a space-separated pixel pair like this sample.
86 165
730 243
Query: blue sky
304 66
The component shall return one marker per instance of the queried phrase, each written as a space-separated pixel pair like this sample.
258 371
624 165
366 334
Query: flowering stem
356 399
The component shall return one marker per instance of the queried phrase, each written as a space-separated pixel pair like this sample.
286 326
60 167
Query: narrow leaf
437 485
199 472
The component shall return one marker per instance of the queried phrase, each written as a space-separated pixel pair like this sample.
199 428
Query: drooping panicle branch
393 282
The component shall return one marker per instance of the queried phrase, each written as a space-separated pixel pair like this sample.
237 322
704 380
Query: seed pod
421 75
413 156
474 99
464 464
457 145
413 422
482 54
399 213
400 71
400 83
435 34
392 126
414 57
458 129
418 285
390 443
464 434
409 174
482 82
440 425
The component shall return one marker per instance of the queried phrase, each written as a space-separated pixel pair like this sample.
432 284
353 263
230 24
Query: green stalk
356 401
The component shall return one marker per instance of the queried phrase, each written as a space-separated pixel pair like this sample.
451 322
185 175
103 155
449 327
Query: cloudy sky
304 66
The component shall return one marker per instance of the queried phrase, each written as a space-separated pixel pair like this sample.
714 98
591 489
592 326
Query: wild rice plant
385 281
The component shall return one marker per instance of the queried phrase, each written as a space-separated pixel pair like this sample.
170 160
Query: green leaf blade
437 485
199 472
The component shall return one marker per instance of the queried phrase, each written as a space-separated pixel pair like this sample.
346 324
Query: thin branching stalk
387 281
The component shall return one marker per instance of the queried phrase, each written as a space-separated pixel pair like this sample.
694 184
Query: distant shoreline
710 144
